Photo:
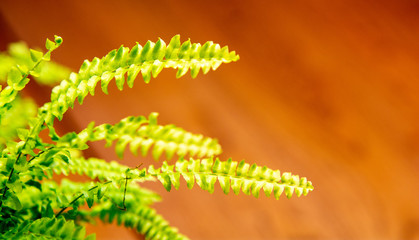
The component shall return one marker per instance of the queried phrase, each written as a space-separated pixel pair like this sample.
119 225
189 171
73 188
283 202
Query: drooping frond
143 219
143 134
249 179
47 228
149 60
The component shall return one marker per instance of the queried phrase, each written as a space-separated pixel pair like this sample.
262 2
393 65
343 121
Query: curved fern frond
149 60
143 134
47 228
249 179
143 219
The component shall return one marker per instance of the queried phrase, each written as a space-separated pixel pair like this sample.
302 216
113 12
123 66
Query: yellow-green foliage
249 179
18 54
32 206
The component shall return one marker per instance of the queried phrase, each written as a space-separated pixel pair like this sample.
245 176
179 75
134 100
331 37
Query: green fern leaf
17 76
149 60
47 228
249 179
18 54
92 167
142 134
143 219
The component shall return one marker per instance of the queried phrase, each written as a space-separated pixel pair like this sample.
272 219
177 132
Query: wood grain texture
325 89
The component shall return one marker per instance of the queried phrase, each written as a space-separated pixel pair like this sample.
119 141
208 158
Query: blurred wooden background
325 89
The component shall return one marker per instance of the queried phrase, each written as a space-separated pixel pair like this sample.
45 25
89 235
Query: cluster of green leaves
32 206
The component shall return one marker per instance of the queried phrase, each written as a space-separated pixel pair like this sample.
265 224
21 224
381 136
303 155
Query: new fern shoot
33 206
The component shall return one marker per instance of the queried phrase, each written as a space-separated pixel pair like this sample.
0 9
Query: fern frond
47 73
143 134
133 193
16 81
68 194
95 168
143 219
149 60
47 228
17 76
109 201
249 179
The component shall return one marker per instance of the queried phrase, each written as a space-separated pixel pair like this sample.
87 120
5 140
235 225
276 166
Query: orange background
325 89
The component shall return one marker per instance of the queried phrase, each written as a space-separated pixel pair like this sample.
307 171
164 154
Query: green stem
77 198
5 187
125 188
125 192
39 154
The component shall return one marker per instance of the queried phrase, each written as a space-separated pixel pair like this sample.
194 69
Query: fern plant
33 206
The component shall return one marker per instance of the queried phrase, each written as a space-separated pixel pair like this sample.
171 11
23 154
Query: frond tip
250 179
